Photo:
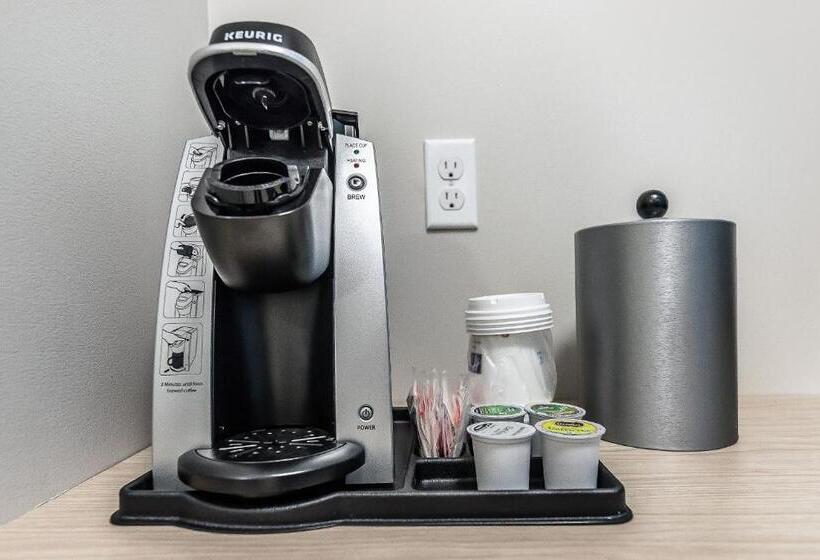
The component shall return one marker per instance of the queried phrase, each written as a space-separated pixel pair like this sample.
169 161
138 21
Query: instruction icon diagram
180 349
200 156
186 259
187 188
183 299
185 223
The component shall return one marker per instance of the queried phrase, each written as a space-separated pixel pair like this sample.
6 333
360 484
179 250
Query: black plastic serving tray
429 492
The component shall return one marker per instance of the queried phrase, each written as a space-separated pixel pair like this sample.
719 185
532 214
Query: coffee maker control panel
357 165
363 399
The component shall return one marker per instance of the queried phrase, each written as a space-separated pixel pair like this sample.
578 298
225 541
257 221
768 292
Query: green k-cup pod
489 412
543 411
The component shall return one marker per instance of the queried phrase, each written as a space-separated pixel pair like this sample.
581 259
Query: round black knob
652 204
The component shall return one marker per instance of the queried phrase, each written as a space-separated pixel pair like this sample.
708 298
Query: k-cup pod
536 412
502 454
496 412
571 450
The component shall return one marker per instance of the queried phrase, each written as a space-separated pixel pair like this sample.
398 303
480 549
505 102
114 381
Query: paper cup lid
509 330
501 432
499 411
555 410
572 429
506 303
508 314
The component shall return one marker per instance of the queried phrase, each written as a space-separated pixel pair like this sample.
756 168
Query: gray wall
577 107
95 108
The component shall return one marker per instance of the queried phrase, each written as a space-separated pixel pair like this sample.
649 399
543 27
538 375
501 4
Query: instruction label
186 288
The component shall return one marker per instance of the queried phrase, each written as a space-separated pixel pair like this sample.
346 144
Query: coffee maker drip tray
269 461
426 492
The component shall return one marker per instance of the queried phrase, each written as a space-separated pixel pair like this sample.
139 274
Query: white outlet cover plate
463 150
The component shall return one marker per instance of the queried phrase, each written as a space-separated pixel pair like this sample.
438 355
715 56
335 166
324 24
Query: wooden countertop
757 499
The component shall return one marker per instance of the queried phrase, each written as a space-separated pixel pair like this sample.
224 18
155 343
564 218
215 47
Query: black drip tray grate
274 444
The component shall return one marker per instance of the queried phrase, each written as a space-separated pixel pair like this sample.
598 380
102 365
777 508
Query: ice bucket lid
652 206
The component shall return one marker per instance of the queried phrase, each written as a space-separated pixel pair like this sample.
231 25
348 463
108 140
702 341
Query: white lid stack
508 314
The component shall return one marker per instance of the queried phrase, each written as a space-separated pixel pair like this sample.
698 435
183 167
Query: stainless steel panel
657 339
360 313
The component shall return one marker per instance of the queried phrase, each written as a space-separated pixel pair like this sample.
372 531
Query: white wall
95 108
577 107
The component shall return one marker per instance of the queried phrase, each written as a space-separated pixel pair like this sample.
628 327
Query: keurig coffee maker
272 402
296 380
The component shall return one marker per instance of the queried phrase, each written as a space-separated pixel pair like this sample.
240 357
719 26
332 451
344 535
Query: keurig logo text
251 35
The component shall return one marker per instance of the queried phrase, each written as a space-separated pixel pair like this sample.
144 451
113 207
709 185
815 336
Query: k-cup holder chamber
251 186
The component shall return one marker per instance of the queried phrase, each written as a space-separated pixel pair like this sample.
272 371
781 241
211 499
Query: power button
366 413
356 182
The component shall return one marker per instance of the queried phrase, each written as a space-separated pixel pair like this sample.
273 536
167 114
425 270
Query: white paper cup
502 454
571 450
536 412
497 412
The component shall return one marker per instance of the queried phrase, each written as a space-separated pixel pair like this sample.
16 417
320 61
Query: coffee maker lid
256 81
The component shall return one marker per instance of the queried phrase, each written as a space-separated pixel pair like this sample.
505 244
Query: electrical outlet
451 186
451 199
450 169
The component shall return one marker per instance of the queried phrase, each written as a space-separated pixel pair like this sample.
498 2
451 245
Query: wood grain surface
757 499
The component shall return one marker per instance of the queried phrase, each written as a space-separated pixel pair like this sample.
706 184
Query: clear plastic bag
439 405
513 369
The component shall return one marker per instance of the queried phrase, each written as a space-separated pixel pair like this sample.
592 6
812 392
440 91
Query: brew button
366 413
356 182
